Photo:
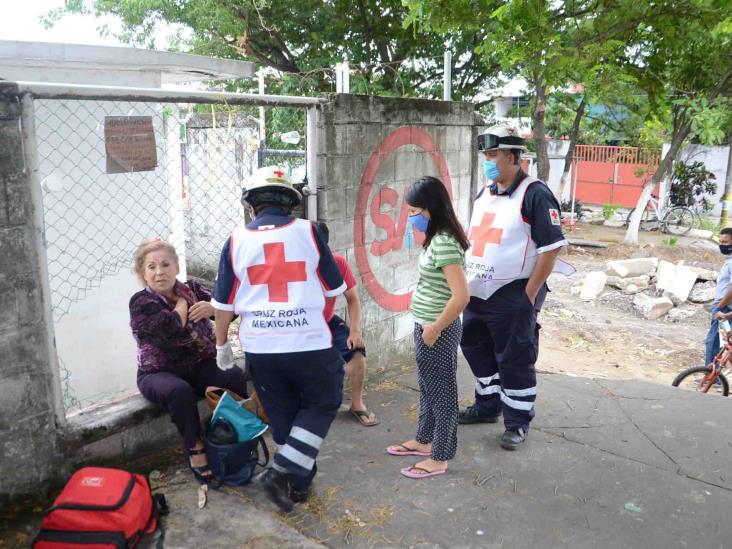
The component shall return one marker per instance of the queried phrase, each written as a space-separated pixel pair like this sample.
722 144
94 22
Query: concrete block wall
371 149
30 400
405 138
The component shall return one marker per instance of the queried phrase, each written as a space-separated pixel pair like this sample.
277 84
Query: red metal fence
612 175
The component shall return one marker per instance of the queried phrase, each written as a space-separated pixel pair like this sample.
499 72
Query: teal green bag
246 424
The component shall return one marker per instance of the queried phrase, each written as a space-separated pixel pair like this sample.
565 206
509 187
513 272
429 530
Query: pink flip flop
407 472
407 451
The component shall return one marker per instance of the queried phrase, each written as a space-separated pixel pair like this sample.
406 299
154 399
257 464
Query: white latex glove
224 356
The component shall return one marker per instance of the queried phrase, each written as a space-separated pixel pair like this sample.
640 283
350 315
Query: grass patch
707 223
608 210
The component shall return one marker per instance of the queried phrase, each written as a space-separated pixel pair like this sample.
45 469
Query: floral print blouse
163 345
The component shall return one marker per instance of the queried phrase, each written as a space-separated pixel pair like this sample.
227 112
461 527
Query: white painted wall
219 163
93 221
715 159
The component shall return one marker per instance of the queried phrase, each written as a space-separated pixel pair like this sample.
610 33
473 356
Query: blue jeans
712 346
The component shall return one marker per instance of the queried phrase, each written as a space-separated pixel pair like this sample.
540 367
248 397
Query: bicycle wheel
691 379
647 219
678 220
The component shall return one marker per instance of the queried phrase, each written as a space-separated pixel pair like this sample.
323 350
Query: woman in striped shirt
440 296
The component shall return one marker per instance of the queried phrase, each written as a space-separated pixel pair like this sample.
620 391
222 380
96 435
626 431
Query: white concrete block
673 297
612 222
678 314
631 289
617 269
703 292
632 267
641 282
704 274
593 285
675 279
705 245
652 307
699 233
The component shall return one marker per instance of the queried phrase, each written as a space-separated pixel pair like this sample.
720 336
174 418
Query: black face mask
726 249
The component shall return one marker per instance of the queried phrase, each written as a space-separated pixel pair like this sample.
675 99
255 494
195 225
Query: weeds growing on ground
707 223
608 210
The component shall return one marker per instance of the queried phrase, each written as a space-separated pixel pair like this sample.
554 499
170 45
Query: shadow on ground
607 464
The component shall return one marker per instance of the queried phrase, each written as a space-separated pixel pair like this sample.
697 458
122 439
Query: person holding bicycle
722 297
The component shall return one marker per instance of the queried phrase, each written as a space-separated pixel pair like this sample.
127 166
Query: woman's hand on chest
200 311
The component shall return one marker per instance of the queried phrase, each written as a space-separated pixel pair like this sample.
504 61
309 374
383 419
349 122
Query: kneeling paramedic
515 235
276 273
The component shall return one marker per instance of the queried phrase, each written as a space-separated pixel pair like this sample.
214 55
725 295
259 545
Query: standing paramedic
276 274
516 236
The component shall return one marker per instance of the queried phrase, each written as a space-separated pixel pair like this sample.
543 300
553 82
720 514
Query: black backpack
232 462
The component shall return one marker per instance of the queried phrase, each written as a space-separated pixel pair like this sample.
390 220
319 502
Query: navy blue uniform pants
301 393
501 343
179 393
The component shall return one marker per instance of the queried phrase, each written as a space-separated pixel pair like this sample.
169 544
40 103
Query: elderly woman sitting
176 356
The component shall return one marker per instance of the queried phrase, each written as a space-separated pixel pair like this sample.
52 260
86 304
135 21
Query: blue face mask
490 170
419 222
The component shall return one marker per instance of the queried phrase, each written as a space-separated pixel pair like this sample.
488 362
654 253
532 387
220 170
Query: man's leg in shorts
355 360
356 372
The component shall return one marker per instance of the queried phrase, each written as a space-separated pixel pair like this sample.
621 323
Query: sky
24 24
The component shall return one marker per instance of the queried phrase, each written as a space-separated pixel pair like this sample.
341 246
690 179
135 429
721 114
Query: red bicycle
712 378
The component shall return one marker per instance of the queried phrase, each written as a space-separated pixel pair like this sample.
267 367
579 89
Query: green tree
550 44
684 62
303 40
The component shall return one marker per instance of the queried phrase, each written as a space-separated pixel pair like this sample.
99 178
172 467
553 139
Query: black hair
430 194
259 199
324 231
516 156
726 230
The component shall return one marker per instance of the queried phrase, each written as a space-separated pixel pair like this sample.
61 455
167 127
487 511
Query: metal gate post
311 158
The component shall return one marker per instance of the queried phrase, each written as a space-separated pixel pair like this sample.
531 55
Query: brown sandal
364 417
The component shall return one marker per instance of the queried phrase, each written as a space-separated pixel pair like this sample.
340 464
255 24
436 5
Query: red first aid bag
99 508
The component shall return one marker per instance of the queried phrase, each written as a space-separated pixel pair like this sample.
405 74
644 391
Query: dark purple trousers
179 393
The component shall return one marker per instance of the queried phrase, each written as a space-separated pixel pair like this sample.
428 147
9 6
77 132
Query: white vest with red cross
501 249
280 297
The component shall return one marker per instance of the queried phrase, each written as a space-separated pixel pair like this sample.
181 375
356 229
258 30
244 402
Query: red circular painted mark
406 135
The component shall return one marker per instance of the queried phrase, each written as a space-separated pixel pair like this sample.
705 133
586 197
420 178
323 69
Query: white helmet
501 136
271 183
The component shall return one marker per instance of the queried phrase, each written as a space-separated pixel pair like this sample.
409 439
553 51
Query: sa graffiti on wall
368 212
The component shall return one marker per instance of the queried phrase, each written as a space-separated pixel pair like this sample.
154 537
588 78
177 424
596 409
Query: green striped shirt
433 293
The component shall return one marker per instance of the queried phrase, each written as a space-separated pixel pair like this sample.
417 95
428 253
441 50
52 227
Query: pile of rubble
660 288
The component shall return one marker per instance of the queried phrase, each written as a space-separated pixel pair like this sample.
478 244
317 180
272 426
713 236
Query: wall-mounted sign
130 144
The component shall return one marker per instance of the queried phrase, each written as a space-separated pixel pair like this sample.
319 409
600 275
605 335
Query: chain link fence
94 219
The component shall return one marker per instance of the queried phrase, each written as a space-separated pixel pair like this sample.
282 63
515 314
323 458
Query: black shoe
512 438
300 486
299 496
277 486
471 414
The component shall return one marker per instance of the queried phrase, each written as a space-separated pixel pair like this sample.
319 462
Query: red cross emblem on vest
484 234
276 272
279 173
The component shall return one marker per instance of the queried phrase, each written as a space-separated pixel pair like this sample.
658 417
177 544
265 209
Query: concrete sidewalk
607 464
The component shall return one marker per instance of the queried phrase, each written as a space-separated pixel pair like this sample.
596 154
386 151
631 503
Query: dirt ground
607 338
